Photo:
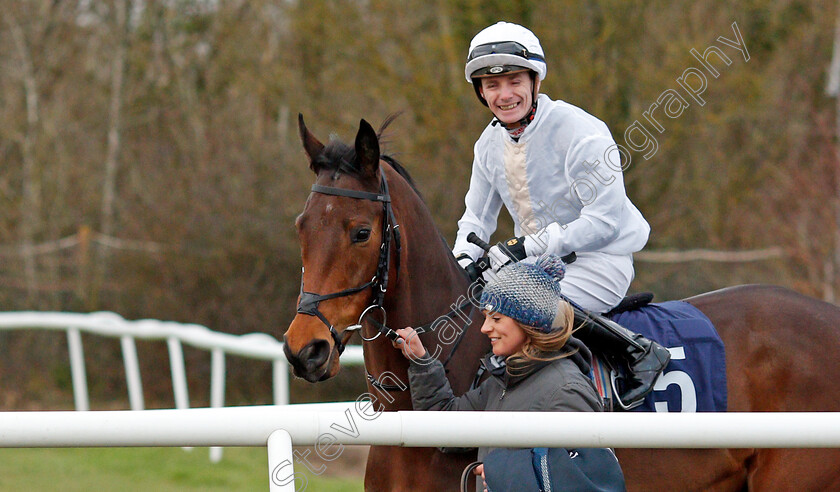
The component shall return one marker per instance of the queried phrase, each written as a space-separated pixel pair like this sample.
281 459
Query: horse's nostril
314 354
289 355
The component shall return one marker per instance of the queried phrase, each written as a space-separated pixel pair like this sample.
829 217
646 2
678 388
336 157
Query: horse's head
345 248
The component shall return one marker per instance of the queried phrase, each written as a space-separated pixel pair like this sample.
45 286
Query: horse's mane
339 157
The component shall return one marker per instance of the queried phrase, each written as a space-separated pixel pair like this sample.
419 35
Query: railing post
217 391
179 375
281 463
280 377
132 373
77 368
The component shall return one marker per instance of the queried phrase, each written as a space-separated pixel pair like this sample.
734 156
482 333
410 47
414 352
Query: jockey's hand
512 250
469 266
410 344
464 260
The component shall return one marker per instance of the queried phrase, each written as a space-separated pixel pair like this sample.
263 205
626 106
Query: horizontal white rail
254 346
357 424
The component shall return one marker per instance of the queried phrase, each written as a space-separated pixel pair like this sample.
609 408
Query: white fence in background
357 423
258 346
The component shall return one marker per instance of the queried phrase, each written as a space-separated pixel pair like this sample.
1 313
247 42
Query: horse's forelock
339 157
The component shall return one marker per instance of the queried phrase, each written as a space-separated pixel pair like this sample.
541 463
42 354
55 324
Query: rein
469 301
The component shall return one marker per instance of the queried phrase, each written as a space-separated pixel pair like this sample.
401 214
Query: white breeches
598 281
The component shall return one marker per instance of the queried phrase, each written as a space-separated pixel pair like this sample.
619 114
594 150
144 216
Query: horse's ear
367 149
311 144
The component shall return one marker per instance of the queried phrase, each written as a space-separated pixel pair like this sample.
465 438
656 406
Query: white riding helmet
504 47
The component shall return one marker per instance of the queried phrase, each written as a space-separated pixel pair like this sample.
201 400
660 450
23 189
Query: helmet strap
518 128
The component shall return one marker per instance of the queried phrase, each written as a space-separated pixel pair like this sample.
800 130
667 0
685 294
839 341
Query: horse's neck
430 281
428 285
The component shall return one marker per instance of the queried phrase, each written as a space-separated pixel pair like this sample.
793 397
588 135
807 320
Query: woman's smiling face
506 337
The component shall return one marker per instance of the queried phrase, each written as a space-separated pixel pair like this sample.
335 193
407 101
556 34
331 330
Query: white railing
356 423
348 423
258 346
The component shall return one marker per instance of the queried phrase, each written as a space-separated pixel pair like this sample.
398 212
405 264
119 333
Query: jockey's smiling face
509 96
506 337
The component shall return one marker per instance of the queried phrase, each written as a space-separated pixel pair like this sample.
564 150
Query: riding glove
502 253
469 266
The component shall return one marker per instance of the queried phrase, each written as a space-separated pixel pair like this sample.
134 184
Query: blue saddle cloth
695 379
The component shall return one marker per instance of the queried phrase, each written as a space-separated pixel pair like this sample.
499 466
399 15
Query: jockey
557 170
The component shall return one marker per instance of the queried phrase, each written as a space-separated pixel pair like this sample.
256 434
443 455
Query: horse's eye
361 235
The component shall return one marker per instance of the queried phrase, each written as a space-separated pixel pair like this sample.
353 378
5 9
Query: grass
146 469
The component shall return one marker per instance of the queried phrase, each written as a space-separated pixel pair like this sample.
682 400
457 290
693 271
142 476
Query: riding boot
642 359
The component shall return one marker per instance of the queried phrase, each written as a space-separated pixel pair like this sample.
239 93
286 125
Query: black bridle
309 301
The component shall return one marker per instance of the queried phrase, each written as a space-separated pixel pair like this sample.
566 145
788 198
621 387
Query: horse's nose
314 354
309 362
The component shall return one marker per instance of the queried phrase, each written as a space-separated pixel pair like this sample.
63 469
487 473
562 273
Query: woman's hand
410 344
479 470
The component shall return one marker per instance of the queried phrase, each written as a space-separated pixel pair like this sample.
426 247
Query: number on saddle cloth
695 379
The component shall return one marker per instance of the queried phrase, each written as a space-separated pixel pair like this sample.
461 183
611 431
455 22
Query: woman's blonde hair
542 346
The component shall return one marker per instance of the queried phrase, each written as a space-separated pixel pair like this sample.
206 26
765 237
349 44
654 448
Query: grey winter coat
561 385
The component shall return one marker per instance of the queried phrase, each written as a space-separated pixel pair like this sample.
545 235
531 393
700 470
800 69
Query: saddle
630 303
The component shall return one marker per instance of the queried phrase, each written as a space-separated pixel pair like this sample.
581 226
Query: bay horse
369 247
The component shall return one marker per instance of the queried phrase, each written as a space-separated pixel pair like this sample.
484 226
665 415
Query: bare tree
30 206
109 184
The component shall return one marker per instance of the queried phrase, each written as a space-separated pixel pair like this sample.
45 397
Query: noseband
309 301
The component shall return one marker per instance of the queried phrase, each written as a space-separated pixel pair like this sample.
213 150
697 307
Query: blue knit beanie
527 292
